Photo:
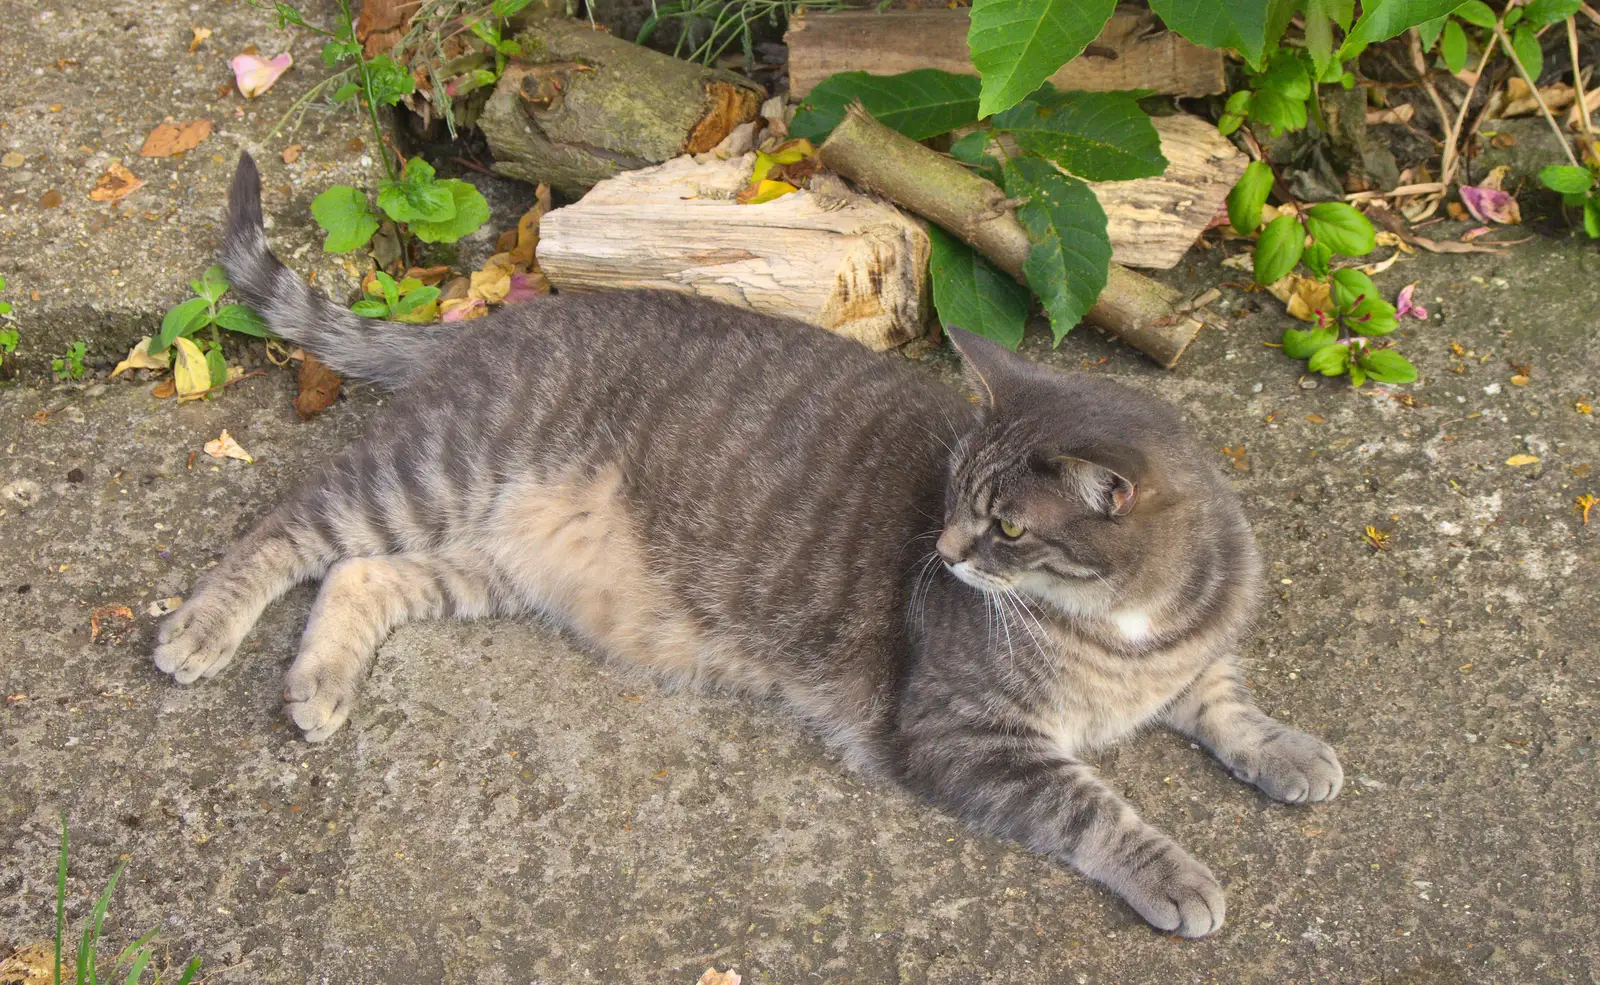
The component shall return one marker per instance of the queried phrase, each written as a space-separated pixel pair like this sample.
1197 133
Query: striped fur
961 599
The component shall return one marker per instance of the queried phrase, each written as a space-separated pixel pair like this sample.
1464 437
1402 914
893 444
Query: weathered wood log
1133 52
825 255
579 106
1141 312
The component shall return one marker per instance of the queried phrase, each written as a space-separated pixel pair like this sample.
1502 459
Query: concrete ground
504 808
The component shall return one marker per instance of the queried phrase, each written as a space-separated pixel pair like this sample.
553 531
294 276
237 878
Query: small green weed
70 366
1579 187
201 312
8 336
408 300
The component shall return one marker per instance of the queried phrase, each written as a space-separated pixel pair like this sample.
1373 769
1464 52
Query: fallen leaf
1316 418
1519 380
225 447
1403 305
1396 114
1387 238
527 242
11 159
714 977
164 389
319 388
50 199
462 309
172 139
1585 503
104 613
1373 269
456 289
1240 462
1519 99
1491 205
200 34
1453 246
291 153
1377 539
429 276
255 75
190 373
1503 141
491 283
139 358
1520 460
760 192
1583 407
1305 297
116 184
1495 180
36 963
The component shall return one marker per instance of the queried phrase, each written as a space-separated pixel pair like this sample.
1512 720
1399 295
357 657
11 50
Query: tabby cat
961 594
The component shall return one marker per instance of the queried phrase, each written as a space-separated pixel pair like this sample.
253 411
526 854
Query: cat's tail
382 351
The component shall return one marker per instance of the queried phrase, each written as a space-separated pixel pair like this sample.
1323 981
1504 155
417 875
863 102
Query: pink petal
464 312
526 287
255 75
1403 305
1491 205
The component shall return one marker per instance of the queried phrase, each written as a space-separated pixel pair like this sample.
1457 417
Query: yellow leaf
190 373
766 191
1522 460
1304 296
764 164
226 447
491 283
421 316
792 151
139 358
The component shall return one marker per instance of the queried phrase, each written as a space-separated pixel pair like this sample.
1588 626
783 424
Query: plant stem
1420 62
1533 86
366 86
1447 164
1577 81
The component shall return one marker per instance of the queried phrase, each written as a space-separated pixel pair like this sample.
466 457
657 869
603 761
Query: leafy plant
201 312
8 336
70 366
728 22
408 300
1580 187
1342 343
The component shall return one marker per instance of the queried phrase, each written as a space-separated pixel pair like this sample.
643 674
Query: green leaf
1566 179
390 81
1512 17
213 283
136 970
416 197
1542 12
972 150
216 365
1344 230
416 298
1277 111
1071 252
1526 44
1319 34
920 104
1383 19
1287 75
471 212
1476 13
1098 136
1227 123
386 287
1428 31
1358 375
505 8
179 322
969 293
1352 288
345 92
1316 257
1278 248
1300 343
242 319
343 214
288 15
369 308
189 971
1248 197
1017 44
1454 48
1330 360
1375 316
1247 26
335 52
1591 218
1387 366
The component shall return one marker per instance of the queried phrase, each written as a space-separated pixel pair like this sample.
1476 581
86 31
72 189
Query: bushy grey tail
382 351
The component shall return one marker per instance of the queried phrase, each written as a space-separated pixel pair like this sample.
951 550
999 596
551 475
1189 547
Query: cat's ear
1104 489
985 364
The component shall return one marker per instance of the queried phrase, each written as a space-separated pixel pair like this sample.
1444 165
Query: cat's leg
199 639
362 600
1218 712
1015 785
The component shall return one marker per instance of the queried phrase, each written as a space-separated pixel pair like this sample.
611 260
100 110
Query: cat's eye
1011 530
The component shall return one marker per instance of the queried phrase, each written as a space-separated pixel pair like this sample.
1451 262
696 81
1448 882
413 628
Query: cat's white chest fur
1133 624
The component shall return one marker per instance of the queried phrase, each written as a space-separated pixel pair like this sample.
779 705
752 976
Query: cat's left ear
985 363
1105 489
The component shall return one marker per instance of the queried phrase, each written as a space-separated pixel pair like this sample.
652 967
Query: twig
1447 165
1424 188
1590 13
1533 86
1577 80
1421 65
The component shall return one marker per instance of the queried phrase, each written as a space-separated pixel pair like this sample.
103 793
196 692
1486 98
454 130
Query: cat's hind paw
1292 767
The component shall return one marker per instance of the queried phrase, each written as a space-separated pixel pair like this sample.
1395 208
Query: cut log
824 255
579 106
1133 52
1141 312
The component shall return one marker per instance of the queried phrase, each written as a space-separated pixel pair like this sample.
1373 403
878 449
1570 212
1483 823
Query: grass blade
96 921
137 970
189 972
61 897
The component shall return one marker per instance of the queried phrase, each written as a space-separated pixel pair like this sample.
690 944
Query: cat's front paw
1171 889
1292 767
199 639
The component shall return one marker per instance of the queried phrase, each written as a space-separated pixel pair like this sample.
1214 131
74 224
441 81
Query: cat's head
1075 491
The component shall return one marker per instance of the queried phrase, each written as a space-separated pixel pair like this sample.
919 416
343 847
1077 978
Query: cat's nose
952 546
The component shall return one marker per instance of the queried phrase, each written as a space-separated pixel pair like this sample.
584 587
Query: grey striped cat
961 595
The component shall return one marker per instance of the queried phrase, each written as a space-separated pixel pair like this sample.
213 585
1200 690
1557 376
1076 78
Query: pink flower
256 75
1491 204
1403 305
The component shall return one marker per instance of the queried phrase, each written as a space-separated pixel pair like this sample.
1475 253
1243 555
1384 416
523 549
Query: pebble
1308 384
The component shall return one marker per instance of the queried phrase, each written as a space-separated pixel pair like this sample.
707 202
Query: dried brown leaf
116 184
319 388
172 139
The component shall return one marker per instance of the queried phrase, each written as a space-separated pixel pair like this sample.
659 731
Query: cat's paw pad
318 698
197 640
1172 891
1294 768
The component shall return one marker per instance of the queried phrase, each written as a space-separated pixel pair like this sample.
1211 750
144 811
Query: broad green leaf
335 52
213 283
1542 12
1429 31
1566 179
1278 248
179 323
216 366
1358 375
416 196
343 214
1476 13
1387 366
345 92
471 212
1300 343
1247 26
1319 34
1526 44
1017 44
387 288
1513 16
1071 252
1316 257
1454 46
920 104
389 80
969 293
1277 111
1286 74
242 319
1374 316
1342 228
190 374
1351 288
369 308
417 298
972 150
1330 360
1098 136
1383 19
1248 197
505 8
